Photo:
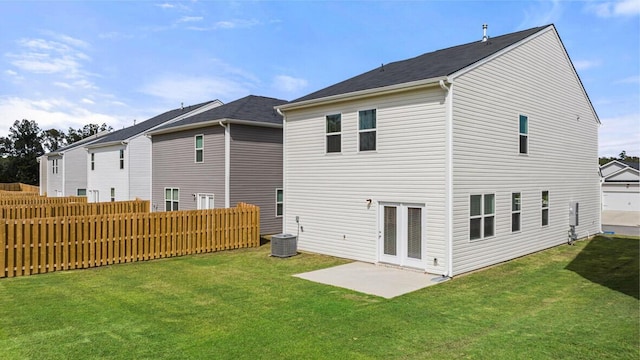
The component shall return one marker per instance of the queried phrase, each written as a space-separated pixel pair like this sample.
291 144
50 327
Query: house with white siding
621 187
118 166
63 172
220 157
447 162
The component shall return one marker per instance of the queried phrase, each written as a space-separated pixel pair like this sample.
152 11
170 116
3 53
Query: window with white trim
93 161
279 202
367 130
334 133
121 158
54 166
545 208
481 216
199 146
113 194
524 134
171 199
516 209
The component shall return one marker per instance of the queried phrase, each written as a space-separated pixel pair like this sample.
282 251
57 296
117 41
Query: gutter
202 124
364 93
449 173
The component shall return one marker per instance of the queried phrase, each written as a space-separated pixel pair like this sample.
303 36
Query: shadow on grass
611 262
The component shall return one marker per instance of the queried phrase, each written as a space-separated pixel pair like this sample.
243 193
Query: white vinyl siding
106 174
538 80
329 193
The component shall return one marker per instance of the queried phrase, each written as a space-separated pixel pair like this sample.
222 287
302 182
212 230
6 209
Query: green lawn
570 302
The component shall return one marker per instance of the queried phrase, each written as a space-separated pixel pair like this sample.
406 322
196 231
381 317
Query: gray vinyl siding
329 192
537 80
256 171
174 166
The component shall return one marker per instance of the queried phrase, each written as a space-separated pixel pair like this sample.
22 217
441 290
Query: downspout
227 161
284 164
449 175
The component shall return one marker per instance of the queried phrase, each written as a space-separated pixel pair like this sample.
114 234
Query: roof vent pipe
484 32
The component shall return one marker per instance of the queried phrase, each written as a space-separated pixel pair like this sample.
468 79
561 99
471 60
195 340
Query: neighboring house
220 157
63 172
118 166
620 186
447 162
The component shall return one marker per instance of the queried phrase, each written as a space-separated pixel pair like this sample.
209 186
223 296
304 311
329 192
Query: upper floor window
279 202
171 199
199 148
482 216
334 133
113 194
545 208
54 166
515 211
121 158
524 134
93 161
367 130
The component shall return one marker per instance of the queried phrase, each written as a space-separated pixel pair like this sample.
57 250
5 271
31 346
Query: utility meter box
573 213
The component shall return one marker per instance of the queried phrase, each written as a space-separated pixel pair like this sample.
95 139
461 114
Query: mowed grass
569 302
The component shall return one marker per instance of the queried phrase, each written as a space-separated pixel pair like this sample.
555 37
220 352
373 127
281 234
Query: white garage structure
620 186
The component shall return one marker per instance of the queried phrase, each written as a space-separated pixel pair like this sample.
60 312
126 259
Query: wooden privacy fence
34 246
19 187
72 209
33 200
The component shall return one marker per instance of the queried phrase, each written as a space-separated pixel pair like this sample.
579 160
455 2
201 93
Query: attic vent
484 32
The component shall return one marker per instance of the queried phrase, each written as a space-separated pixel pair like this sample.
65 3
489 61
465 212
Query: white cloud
88 101
629 80
620 133
190 19
289 84
614 8
50 113
193 89
228 25
165 6
541 13
586 64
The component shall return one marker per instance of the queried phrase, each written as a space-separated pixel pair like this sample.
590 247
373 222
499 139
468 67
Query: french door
401 234
205 201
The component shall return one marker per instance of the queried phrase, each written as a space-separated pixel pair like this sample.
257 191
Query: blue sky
70 63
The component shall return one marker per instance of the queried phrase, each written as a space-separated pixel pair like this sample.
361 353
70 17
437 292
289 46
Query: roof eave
363 93
212 122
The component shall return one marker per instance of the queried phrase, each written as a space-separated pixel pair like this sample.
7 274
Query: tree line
621 157
26 142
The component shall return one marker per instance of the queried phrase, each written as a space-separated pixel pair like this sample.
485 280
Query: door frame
401 258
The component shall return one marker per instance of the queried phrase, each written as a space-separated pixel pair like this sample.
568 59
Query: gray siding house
217 158
448 162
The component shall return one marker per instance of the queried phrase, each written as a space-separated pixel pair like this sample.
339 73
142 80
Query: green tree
53 139
74 135
20 149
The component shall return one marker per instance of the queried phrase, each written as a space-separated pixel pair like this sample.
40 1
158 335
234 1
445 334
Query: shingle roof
430 65
630 164
128 132
249 108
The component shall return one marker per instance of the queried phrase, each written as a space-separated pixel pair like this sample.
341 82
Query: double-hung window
524 134
279 202
54 166
545 208
516 208
93 161
199 148
334 133
113 194
171 199
367 130
121 158
482 216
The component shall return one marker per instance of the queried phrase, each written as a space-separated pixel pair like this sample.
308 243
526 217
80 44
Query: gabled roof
249 109
85 141
440 63
131 131
630 164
